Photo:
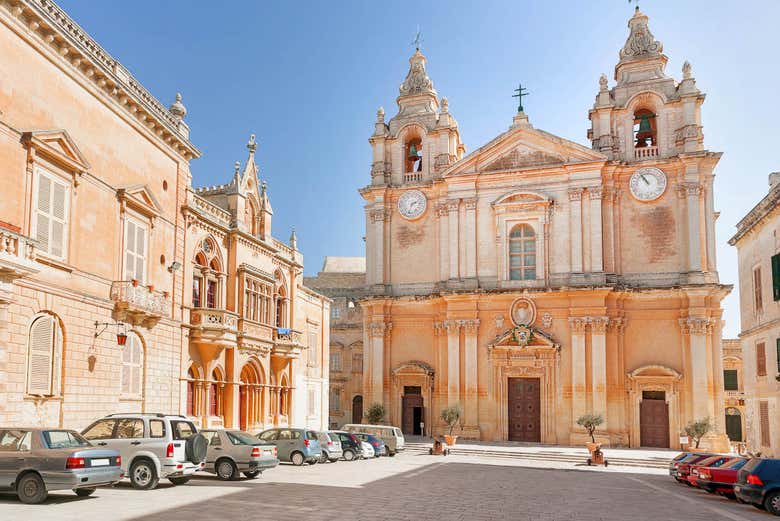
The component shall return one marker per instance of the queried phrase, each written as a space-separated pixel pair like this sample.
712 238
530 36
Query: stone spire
641 58
416 93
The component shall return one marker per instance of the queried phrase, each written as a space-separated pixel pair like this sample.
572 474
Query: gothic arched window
207 276
522 253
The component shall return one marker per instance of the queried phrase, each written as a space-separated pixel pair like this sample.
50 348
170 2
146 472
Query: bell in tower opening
644 129
414 156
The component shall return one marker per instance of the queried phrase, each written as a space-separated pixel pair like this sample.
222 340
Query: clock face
647 184
412 204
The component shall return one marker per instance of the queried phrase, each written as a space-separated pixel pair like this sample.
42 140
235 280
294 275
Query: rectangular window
758 301
136 239
196 300
357 363
763 413
335 362
313 347
52 208
730 380
156 429
776 277
335 400
761 359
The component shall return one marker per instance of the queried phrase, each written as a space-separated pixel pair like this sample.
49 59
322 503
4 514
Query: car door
14 448
285 444
101 434
128 435
271 437
215 447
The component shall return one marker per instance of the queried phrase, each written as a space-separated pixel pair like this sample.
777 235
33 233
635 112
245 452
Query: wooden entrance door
409 403
654 423
357 409
524 402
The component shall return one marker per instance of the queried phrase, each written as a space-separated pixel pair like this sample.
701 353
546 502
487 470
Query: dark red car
720 480
714 462
683 467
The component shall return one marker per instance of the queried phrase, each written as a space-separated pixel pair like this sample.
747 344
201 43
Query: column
444 260
453 361
696 328
470 238
374 390
471 399
575 228
692 192
578 398
596 251
719 406
598 369
266 409
378 242
452 217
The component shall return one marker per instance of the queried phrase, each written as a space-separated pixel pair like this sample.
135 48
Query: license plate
100 462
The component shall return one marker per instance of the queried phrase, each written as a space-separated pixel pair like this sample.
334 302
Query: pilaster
578 397
575 228
596 248
452 218
471 329
453 361
598 360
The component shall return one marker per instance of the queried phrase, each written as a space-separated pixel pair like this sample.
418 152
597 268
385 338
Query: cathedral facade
535 280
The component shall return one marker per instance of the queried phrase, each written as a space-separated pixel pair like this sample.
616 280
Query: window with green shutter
730 382
776 276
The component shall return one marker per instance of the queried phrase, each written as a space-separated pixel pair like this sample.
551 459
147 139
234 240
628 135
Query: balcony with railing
17 260
137 304
412 177
642 153
212 330
287 342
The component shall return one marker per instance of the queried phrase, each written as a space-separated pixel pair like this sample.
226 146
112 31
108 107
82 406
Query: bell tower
647 115
421 140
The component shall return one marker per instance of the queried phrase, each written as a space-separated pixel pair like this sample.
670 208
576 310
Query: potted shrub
697 429
375 413
451 417
590 422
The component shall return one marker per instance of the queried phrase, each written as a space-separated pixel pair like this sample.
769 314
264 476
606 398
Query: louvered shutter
761 359
43 210
763 412
58 219
140 253
730 381
135 252
39 372
137 362
129 250
776 276
51 215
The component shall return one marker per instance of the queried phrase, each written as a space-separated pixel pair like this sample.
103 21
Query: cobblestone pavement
407 487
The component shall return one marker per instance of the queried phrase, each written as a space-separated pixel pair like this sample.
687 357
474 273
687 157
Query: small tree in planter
590 422
375 413
451 417
697 429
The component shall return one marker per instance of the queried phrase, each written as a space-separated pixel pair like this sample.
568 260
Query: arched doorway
216 387
357 409
733 424
250 397
190 392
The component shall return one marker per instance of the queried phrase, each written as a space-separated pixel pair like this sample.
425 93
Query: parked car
391 436
294 445
377 444
231 452
152 446
367 450
720 480
758 483
680 469
331 447
713 461
350 444
35 461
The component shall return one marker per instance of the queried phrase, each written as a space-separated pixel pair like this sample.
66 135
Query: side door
215 447
101 434
271 438
128 437
285 444
14 449
156 437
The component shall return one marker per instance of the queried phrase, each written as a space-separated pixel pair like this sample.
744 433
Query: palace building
122 288
535 279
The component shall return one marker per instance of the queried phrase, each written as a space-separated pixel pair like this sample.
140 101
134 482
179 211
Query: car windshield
64 439
241 438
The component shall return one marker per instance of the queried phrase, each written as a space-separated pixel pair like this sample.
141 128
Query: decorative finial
687 70
445 105
293 239
237 167
417 42
252 145
603 82
177 108
521 91
380 115
263 188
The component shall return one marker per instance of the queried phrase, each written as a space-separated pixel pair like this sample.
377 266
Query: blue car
294 445
376 443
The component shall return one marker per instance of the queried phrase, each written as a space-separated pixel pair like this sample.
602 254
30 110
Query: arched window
251 219
216 403
190 392
522 253
280 300
645 131
132 367
413 156
207 276
44 356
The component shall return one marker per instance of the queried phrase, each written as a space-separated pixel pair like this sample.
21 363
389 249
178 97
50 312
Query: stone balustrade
645 153
139 304
412 177
214 318
17 260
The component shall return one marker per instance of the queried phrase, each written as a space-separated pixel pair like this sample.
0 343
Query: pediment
523 337
58 147
139 198
523 147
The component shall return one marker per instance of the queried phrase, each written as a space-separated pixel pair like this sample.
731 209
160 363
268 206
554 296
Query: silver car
331 447
368 450
231 452
34 461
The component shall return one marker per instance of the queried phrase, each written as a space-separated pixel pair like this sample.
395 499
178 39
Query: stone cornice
767 206
63 36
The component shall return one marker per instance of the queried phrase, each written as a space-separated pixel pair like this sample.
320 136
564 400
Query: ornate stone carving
687 70
471 204
522 312
441 210
595 192
417 80
689 189
687 132
470 326
518 158
452 206
499 318
452 326
617 325
377 328
547 320
641 42
377 215
603 82
696 325
438 328
598 324
578 324
575 194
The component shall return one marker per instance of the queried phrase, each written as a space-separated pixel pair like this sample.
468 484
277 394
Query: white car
368 450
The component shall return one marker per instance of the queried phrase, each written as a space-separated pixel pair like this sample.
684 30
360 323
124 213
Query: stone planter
450 440
592 447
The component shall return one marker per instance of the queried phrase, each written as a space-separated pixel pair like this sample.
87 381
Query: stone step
422 448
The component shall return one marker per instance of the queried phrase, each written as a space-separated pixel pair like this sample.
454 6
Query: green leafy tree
375 413
451 416
590 422
697 429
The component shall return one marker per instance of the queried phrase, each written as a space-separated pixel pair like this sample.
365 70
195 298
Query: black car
350 445
758 483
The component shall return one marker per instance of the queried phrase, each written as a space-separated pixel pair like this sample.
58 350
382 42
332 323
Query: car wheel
333 460
31 489
143 474
313 461
324 457
297 459
391 454
252 474
84 492
772 503
179 481
349 455
226 469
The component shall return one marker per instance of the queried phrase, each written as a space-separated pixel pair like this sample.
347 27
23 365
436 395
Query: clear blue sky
307 78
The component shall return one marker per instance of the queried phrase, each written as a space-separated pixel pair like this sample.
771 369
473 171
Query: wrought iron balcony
139 304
